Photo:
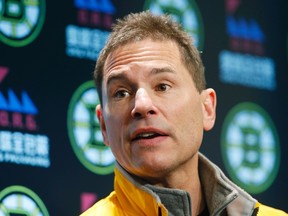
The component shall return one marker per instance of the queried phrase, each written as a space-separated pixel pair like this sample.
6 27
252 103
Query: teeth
145 135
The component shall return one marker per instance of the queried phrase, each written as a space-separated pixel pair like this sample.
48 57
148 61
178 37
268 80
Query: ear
100 117
209 108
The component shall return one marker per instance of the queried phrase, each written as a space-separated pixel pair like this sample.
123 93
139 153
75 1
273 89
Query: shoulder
269 211
108 206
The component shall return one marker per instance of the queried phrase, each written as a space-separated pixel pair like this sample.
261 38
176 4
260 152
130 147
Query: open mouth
147 135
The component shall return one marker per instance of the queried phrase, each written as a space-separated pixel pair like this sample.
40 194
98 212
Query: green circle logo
185 12
21 21
19 200
250 147
84 131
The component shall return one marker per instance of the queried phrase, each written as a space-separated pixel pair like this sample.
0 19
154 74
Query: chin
154 170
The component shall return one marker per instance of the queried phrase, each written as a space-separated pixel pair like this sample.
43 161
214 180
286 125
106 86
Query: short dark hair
139 26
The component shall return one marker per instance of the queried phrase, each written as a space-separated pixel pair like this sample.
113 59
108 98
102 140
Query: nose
143 106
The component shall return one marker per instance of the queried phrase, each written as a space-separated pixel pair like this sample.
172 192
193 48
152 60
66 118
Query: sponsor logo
85 39
20 142
247 70
250 147
19 200
21 21
84 131
245 62
84 42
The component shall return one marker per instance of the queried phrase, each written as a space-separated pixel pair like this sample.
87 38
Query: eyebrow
116 76
122 76
162 70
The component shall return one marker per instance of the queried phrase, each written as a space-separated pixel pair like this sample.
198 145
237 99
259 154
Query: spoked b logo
185 12
84 131
21 21
19 200
250 147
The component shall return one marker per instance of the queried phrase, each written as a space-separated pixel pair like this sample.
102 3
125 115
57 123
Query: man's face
152 116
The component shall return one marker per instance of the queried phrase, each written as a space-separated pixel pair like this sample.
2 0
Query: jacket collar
134 196
220 193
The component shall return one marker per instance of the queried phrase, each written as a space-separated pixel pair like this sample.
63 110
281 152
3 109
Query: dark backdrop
244 49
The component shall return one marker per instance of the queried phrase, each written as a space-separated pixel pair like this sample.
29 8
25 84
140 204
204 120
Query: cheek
115 126
117 118
189 118
188 108
117 138
113 130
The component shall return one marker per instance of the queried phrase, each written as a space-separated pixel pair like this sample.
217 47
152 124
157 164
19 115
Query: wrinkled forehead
148 49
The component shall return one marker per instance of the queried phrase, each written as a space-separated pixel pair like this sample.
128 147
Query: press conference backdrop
52 157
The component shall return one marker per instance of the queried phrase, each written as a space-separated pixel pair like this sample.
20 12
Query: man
154 109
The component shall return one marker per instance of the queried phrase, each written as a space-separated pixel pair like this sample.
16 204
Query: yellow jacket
131 197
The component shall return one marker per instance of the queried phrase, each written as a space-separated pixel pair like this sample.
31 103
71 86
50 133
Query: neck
187 179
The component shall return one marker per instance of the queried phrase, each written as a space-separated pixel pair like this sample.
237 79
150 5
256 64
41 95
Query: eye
121 94
163 87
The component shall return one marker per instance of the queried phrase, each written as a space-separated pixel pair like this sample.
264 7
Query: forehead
147 51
